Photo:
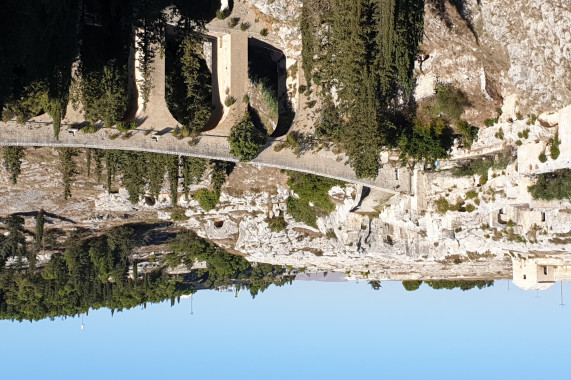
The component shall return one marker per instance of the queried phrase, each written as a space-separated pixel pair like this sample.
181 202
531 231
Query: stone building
539 273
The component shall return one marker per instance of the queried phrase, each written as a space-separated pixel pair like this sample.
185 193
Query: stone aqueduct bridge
230 78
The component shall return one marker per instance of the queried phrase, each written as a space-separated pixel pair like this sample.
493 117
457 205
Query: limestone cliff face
286 11
492 49
537 37
282 18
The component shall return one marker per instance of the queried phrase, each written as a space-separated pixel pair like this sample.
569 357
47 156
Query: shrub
442 205
490 122
244 26
179 216
126 127
246 140
229 101
277 223
554 149
314 189
269 96
525 133
532 119
500 134
471 194
542 157
518 143
264 32
550 186
221 15
206 199
519 115
469 133
246 99
481 167
233 22
470 207
426 142
301 211
449 103
91 128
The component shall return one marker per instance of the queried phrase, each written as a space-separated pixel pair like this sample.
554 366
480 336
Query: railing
209 146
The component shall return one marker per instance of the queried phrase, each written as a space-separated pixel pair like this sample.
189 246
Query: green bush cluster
310 188
375 46
207 199
468 132
471 194
449 103
188 90
459 284
92 272
481 167
490 122
554 144
276 223
233 22
552 186
246 140
301 211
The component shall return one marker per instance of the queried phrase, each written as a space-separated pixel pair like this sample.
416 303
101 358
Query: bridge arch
268 86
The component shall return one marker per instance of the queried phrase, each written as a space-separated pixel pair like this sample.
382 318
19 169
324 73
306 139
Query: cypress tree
40 229
13 156
68 169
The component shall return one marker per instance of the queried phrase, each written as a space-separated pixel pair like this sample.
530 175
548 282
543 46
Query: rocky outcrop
492 49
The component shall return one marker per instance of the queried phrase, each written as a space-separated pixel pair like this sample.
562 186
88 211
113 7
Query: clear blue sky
308 330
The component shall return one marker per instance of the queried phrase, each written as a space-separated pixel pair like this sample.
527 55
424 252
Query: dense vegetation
412 285
310 189
481 167
208 199
41 41
246 140
459 284
552 186
188 83
365 51
39 44
92 271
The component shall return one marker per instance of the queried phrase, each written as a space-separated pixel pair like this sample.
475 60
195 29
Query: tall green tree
68 168
104 94
40 229
13 156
